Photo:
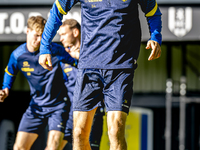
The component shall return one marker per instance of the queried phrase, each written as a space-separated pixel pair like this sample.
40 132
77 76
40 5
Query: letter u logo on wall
180 20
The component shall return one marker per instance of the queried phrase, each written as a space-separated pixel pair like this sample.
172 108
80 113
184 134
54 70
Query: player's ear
27 30
76 32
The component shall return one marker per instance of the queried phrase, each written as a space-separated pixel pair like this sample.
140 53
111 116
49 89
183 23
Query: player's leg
116 129
97 129
54 140
24 140
57 123
29 128
118 93
68 131
81 129
87 97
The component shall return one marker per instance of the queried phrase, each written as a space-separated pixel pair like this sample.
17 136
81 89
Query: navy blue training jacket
110 30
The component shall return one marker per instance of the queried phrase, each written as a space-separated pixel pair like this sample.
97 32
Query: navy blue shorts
114 87
35 121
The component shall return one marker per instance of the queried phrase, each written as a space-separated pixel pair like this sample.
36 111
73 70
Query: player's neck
77 43
31 48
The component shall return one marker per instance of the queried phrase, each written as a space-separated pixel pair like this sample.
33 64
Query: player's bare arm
3 94
155 49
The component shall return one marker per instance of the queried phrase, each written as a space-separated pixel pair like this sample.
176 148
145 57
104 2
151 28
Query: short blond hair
72 23
36 23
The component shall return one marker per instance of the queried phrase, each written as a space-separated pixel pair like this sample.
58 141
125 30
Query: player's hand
45 61
155 49
3 94
73 51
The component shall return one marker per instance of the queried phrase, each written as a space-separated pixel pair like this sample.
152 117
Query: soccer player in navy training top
70 37
49 105
110 45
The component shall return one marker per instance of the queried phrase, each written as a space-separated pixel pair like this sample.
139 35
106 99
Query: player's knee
116 133
16 147
80 134
77 132
113 132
